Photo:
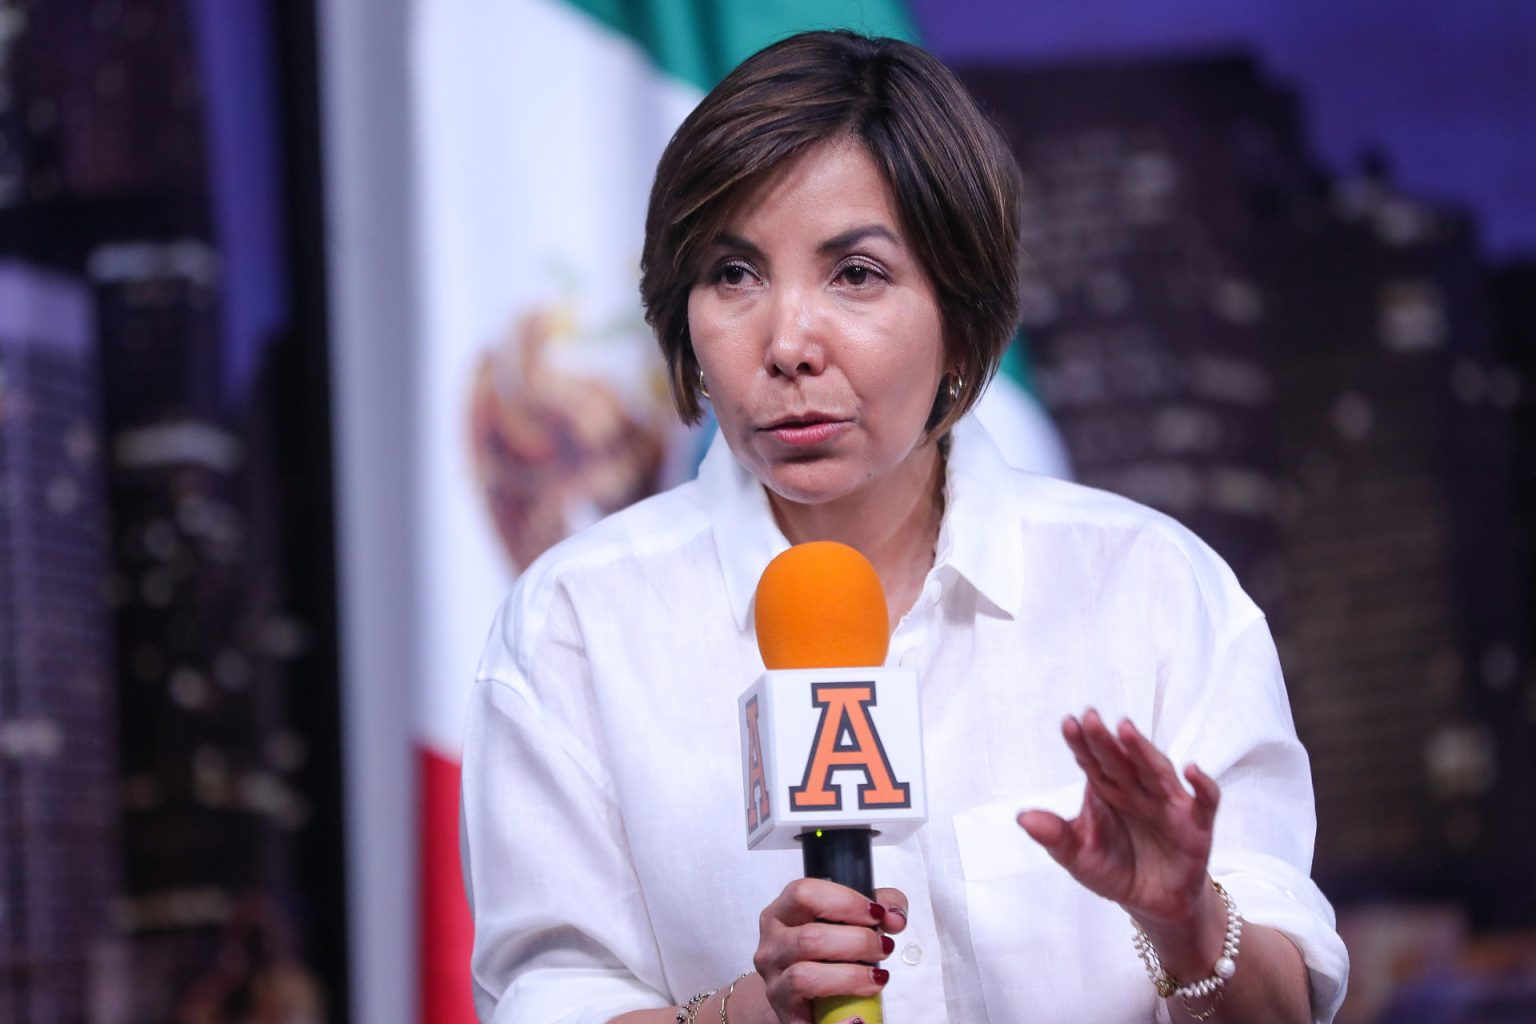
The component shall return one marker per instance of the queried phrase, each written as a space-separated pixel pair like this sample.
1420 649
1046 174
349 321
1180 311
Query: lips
805 428
803 419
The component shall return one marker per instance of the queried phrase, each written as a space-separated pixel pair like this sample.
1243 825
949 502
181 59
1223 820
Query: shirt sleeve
562 934
1240 732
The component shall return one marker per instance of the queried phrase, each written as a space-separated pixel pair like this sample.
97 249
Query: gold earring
703 388
956 386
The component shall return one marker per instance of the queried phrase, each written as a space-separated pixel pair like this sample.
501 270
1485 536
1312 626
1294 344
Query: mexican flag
542 400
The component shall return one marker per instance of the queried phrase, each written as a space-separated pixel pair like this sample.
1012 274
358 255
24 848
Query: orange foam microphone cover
820 605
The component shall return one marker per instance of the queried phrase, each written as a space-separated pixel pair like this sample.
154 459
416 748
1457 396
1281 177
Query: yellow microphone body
839 1008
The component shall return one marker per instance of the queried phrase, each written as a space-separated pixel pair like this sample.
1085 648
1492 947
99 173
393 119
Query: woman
830 261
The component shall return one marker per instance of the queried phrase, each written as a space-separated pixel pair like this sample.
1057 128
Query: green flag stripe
1016 364
698 41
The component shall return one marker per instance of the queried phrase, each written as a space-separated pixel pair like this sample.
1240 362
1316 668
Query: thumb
1052 832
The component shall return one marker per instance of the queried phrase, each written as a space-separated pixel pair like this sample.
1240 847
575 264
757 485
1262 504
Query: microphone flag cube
831 748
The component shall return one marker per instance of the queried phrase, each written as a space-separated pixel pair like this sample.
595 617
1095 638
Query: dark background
1283 286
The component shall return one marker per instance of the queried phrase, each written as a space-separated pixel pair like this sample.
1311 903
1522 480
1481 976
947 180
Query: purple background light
1446 91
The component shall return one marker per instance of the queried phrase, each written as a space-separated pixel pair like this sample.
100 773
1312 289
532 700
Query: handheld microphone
832 751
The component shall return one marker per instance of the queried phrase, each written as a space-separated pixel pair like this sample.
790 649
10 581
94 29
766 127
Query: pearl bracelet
688 1013
1226 964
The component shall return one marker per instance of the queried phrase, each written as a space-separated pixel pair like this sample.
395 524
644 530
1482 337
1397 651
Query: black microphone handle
840 855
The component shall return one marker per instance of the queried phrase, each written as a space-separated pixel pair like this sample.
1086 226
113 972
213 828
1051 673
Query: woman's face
819 332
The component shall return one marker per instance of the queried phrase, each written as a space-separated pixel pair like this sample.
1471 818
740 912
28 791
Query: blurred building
201 812
108 180
1141 185
107 98
59 869
1404 650
1514 316
1304 372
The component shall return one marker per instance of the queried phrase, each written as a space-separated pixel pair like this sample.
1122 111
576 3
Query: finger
810 980
895 903
816 899
832 943
1052 832
1109 774
1207 796
1152 766
1076 733
1112 756
1077 742
1045 828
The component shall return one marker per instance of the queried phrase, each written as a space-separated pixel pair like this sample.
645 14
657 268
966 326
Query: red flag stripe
447 932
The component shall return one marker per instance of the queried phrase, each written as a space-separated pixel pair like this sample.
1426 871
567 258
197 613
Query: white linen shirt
603 826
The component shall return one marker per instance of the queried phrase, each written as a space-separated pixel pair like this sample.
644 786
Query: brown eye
860 276
733 275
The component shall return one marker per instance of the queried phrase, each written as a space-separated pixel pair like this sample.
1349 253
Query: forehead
832 185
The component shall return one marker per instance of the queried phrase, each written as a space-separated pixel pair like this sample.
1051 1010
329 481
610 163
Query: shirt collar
746 536
980 537
975 542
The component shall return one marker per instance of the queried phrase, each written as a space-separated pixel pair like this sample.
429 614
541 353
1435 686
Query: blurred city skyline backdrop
1282 286
1447 94
1447 100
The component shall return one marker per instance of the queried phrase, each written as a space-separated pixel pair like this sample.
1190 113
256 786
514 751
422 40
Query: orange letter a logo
846 739
758 809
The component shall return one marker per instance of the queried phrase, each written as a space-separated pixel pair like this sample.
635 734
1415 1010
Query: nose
796 347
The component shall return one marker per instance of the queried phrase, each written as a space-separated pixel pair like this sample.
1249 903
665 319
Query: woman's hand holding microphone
822 939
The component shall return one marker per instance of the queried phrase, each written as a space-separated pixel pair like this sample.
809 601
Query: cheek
709 330
916 373
721 357
698 327
703 337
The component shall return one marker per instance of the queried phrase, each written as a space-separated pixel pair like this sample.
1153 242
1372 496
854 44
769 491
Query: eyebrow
846 240
727 240
853 236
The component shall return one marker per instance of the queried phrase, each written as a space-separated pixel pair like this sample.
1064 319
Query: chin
811 483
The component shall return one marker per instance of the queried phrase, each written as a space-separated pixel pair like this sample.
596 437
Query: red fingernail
888 944
876 911
881 975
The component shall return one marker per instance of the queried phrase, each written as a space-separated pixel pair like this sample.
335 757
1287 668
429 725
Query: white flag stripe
537 134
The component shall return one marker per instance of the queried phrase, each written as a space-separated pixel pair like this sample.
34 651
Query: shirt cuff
568 996
1271 893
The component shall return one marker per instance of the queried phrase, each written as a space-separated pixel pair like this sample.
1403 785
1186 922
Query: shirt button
912 955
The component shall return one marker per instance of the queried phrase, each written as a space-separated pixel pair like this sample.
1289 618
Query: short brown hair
955 184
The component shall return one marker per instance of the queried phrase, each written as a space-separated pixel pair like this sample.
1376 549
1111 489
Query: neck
893 522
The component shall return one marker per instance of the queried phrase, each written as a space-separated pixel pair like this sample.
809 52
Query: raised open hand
1141 839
